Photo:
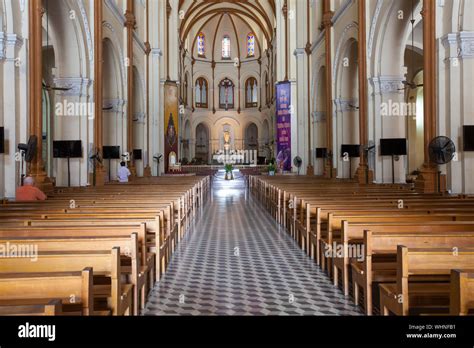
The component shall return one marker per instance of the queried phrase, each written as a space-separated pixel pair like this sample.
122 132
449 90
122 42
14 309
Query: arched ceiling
259 16
231 24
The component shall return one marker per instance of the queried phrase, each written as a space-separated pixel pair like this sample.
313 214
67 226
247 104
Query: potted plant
271 169
228 172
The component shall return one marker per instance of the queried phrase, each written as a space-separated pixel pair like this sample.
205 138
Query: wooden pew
380 247
19 289
406 295
462 292
131 267
335 222
51 308
313 209
88 229
327 218
315 213
352 234
97 226
159 247
165 205
106 265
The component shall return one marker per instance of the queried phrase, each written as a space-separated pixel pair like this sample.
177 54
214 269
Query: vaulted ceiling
259 15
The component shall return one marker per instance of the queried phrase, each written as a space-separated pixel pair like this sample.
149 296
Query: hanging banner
171 124
283 124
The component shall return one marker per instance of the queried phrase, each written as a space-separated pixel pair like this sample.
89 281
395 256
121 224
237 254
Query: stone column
98 89
238 88
35 58
167 38
147 172
309 168
14 124
285 17
427 180
130 23
213 65
329 170
363 175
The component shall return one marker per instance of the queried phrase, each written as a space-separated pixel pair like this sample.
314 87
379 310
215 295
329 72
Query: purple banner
283 124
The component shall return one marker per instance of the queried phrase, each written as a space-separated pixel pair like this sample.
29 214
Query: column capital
327 19
284 9
168 9
299 52
427 9
307 48
130 20
147 48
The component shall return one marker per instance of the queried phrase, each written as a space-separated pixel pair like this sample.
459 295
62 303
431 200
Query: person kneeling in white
123 173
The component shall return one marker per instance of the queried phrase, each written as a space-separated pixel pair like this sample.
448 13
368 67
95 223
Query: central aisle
236 260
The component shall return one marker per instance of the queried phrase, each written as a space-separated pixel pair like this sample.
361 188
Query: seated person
29 192
123 173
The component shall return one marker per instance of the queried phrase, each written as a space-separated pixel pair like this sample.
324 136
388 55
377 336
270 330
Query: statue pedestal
363 175
133 171
100 175
43 182
427 180
329 171
147 172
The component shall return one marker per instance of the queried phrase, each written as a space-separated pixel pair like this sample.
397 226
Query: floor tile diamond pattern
237 260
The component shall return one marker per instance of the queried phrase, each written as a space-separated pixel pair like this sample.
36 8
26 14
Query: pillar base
147 172
133 171
310 170
99 176
363 175
329 171
427 180
43 182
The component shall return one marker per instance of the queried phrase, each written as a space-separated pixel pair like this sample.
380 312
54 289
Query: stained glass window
251 93
226 94
200 45
250 45
226 47
200 93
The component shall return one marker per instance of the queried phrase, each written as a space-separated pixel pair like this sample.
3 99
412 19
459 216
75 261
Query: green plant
228 168
271 167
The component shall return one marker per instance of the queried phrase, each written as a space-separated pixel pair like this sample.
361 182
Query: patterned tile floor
237 260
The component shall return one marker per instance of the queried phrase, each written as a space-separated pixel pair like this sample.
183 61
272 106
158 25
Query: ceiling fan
52 88
411 84
45 86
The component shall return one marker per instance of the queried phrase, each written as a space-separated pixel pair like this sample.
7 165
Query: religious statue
170 132
226 137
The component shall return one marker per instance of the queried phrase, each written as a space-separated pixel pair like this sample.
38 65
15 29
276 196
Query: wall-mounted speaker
137 154
468 138
321 152
2 140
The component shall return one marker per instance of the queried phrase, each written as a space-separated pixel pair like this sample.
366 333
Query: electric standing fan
28 153
441 150
297 161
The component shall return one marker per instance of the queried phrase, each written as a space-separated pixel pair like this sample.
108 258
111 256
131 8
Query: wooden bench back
104 263
432 262
51 308
377 242
462 292
67 286
351 230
